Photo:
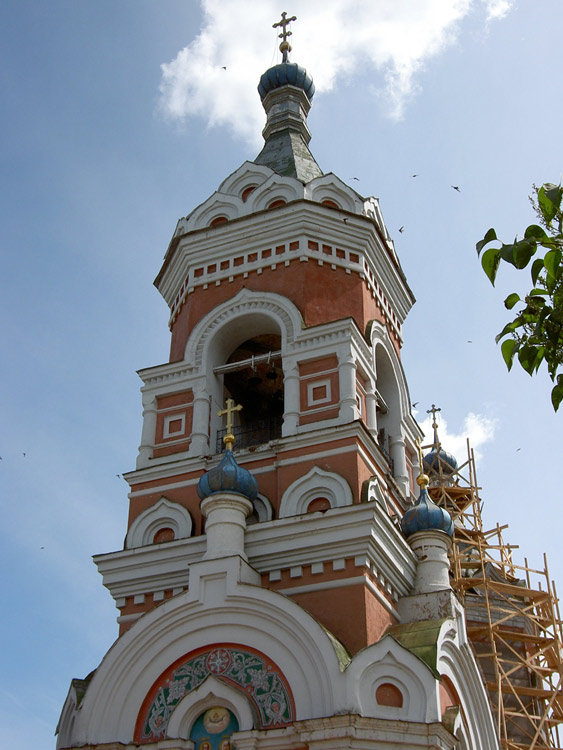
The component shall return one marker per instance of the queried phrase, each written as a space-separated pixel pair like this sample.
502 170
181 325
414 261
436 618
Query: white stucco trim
316 483
163 514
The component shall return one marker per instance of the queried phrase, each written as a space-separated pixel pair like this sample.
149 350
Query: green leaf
509 349
539 357
535 232
489 237
537 292
509 328
552 261
537 267
490 262
548 201
527 355
557 395
544 312
523 252
511 300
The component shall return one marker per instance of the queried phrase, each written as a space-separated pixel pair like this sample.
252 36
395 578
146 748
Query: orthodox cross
434 411
229 438
285 46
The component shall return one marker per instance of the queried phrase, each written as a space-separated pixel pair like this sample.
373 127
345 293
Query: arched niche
164 514
317 483
211 693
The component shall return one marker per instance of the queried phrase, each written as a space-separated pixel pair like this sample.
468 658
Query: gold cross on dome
229 438
285 46
434 410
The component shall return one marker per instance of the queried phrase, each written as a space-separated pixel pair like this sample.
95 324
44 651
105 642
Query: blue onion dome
286 74
227 476
439 461
425 515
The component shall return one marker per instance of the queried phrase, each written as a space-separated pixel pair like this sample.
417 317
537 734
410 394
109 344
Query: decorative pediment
329 187
162 515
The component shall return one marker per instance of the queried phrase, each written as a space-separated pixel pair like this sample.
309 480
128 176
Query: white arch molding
233 317
212 692
316 483
163 514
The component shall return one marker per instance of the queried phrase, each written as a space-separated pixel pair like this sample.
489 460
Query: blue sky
96 173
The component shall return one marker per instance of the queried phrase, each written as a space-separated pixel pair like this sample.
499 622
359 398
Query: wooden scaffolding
512 613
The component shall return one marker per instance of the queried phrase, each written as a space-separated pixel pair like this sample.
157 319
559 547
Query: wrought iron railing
255 433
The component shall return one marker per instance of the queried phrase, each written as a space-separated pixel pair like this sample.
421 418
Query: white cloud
497 9
478 428
391 39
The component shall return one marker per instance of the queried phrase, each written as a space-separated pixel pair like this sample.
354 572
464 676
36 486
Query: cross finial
285 46
229 438
434 410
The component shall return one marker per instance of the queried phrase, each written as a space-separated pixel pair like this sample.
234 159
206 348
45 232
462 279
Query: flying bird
415 403
355 178
401 229
345 220
469 341
414 175
223 67
455 187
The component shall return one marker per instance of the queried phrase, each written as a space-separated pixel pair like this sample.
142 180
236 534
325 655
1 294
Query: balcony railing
255 433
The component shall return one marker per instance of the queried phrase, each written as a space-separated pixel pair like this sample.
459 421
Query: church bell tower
266 584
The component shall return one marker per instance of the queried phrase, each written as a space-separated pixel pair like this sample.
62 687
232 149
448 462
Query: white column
432 570
149 430
200 422
371 410
291 399
347 379
397 448
226 514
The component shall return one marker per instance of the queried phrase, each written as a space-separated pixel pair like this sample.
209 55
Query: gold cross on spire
229 438
285 46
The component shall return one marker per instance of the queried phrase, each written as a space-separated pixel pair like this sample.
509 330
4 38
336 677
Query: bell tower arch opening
247 367
388 402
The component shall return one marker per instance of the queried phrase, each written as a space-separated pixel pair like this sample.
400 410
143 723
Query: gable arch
161 515
330 187
275 188
247 174
388 662
194 622
217 205
316 483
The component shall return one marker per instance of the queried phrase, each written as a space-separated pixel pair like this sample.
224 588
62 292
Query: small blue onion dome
438 459
227 476
286 74
425 515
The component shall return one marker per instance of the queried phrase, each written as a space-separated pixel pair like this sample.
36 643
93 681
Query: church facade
284 582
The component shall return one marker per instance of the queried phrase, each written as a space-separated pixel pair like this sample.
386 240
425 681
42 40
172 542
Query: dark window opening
258 386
